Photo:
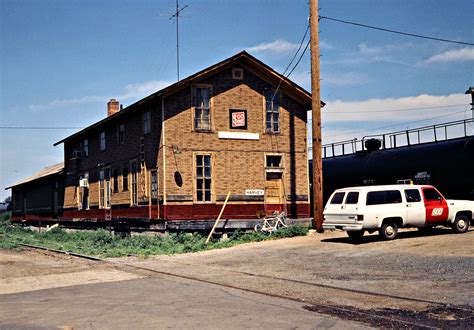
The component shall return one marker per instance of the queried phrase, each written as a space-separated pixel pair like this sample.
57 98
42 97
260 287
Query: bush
103 243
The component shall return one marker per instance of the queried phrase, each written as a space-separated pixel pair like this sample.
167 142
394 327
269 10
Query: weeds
105 244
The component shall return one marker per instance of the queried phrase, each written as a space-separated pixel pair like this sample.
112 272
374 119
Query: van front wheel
388 231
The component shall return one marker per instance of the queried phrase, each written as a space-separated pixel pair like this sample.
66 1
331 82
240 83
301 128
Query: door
274 196
436 206
416 213
342 207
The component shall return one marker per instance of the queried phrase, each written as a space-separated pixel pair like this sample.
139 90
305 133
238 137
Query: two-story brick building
237 126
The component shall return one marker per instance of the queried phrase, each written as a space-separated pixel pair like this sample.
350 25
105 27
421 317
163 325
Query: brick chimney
113 106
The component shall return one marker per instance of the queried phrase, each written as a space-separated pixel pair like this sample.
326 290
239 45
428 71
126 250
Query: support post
218 218
316 117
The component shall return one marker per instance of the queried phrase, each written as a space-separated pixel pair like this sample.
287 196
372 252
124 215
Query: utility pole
176 15
316 117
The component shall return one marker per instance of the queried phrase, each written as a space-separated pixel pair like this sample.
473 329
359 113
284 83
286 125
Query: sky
61 61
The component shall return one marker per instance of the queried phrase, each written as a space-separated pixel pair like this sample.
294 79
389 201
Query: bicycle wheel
258 227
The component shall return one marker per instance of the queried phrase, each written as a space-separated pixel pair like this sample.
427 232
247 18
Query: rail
415 136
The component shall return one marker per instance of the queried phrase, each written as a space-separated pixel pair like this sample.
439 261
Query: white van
389 207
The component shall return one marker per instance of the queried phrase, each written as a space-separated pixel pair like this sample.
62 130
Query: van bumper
343 226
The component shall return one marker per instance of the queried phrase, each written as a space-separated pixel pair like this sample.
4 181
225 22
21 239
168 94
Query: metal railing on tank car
420 135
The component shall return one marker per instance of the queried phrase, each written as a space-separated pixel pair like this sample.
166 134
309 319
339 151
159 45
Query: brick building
39 196
237 126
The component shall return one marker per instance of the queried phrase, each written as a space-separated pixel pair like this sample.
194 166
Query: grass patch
104 244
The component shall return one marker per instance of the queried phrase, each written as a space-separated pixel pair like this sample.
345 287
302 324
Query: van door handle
343 207
408 205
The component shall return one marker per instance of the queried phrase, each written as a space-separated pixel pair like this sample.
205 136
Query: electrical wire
38 127
396 32
388 126
397 110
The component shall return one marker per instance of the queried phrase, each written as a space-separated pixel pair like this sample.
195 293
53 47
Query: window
146 122
83 195
102 141
116 182
384 197
134 182
202 108
120 133
431 195
101 189
154 184
338 198
352 197
272 112
85 148
237 73
412 195
203 178
273 161
104 188
125 179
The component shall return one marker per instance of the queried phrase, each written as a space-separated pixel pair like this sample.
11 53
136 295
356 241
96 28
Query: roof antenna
176 15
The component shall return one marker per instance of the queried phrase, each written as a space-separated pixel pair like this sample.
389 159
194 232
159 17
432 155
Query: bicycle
272 224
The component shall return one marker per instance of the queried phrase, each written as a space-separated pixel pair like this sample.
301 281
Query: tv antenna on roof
176 15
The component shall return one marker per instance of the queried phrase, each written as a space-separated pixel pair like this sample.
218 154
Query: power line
388 126
398 110
37 127
397 32
302 54
297 51
289 64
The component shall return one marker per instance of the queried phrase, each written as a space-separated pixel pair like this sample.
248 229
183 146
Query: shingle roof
264 69
47 171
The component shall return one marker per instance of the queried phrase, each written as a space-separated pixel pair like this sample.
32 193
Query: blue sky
62 60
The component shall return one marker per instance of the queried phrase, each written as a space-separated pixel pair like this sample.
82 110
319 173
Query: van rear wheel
461 224
388 231
355 234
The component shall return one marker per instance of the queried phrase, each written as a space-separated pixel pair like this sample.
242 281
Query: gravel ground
437 267
426 279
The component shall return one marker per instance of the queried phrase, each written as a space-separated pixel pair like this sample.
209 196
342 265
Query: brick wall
237 164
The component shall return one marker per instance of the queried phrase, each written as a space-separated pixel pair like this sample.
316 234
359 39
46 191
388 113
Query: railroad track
393 318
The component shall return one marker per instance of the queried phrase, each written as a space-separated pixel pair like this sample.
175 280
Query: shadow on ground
368 238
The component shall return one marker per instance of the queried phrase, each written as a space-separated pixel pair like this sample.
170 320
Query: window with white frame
202 108
272 112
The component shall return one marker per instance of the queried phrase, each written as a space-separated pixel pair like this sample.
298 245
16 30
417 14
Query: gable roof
47 171
250 62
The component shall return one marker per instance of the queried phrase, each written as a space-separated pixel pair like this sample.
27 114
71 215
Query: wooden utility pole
316 117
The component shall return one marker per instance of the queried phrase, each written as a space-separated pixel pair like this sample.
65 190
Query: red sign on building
238 119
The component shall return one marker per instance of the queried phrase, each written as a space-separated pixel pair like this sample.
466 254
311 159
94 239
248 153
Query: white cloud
364 49
277 46
403 109
61 103
130 92
458 55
